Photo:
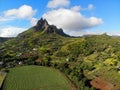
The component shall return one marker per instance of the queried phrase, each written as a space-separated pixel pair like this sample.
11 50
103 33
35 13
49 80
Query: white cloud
79 8
90 7
58 3
33 21
3 19
70 20
113 33
76 8
22 12
11 31
86 32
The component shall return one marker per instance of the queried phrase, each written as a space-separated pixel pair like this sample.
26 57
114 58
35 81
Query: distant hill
3 39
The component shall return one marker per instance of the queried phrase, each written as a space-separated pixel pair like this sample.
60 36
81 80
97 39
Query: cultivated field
35 78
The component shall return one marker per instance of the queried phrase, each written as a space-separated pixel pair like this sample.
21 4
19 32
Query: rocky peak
42 25
54 29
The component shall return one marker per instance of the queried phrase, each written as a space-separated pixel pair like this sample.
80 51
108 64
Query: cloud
3 19
58 3
113 33
76 8
25 12
71 19
33 21
79 8
90 7
22 12
11 31
86 32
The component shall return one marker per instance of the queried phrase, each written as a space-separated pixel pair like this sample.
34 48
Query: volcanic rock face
42 25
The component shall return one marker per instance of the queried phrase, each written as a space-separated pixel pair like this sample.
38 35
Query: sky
75 17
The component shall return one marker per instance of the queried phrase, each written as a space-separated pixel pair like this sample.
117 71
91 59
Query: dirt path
100 83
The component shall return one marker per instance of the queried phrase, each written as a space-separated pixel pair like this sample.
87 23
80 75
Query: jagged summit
42 25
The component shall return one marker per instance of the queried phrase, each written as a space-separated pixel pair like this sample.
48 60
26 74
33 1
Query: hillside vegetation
81 59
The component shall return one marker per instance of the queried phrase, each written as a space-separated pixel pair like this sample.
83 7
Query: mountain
41 36
43 27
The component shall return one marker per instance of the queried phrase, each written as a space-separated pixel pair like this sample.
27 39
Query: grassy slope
35 78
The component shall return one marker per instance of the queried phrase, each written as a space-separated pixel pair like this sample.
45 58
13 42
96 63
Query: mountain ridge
41 28
43 25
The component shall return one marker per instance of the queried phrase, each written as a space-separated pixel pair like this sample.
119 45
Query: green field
35 78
